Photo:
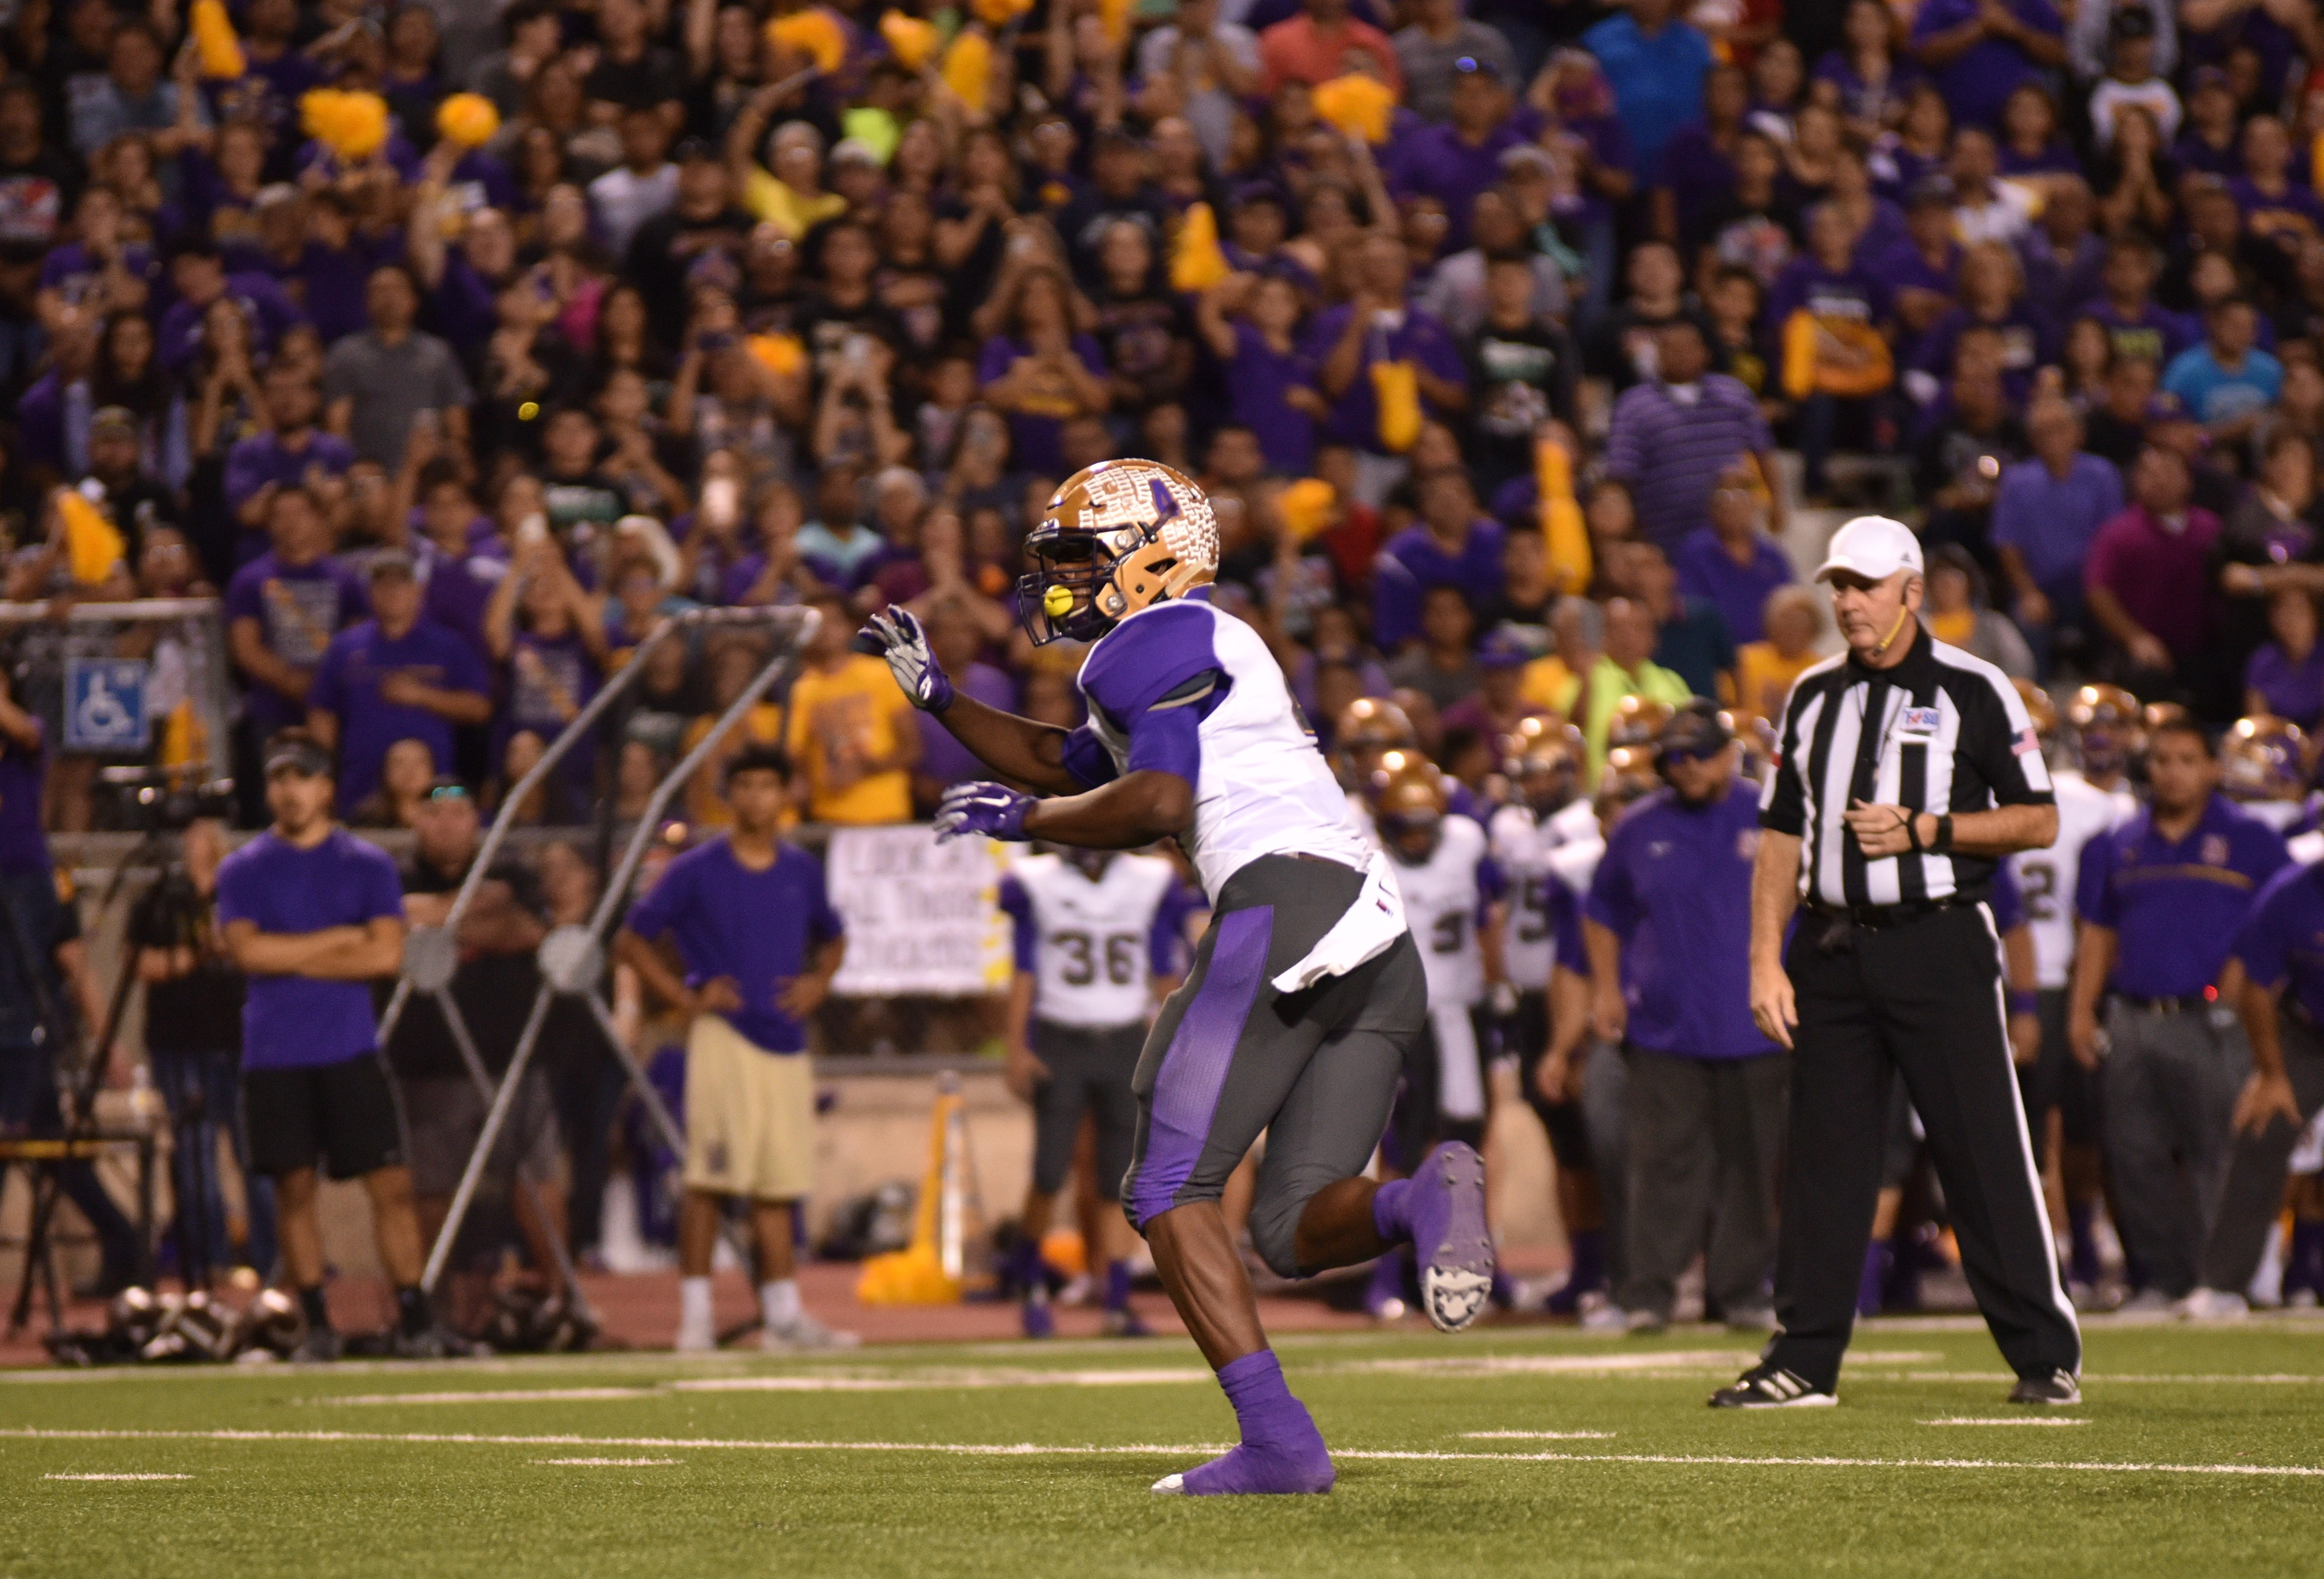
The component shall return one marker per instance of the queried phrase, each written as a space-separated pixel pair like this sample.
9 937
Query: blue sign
105 704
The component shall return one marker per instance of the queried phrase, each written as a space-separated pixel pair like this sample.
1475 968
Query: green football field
1518 1451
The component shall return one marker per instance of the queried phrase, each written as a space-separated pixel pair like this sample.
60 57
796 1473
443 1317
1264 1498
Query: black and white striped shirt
1941 731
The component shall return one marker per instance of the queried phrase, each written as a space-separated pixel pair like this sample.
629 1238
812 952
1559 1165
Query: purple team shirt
756 928
2282 943
2175 908
1675 885
348 682
298 609
296 1021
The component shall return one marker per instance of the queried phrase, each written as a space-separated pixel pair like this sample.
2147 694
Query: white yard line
608 1463
2005 1421
1534 1435
1151 1450
116 1477
928 1381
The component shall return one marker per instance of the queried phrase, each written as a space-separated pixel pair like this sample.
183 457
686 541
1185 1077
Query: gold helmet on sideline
2104 728
2263 758
2043 711
1117 537
1630 774
1365 728
1410 800
1542 757
1637 720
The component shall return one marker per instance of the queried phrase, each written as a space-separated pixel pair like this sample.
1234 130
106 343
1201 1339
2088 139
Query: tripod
151 855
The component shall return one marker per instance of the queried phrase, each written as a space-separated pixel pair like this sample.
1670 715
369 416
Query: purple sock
1281 1451
1117 1285
1390 1218
2082 1217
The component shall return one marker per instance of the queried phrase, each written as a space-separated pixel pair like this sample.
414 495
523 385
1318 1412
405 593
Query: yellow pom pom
909 39
214 44
1305 506
353 125
1197 262
1357 104
967 68
814 33
1056 602
467 120
1000 12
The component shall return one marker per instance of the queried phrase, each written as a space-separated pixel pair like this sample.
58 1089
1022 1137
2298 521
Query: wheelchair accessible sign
105 704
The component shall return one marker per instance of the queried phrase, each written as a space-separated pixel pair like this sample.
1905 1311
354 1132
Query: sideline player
1306 989
1096 939
313 915
1544 765
754 927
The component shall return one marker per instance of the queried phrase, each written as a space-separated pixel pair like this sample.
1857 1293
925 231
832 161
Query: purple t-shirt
2154 334
1260 380
1979 82
2294 691
1738 592
347 683
756 928
1419 337
261 458
1034 428
1674 885
296 1021
1412 561
298 609
264 307
1435 161
2176 907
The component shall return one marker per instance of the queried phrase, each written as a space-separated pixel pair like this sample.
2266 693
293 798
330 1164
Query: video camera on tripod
167 800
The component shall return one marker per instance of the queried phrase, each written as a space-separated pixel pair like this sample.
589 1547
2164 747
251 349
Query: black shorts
2056 1079
344 1114
1090 1072
1528 1029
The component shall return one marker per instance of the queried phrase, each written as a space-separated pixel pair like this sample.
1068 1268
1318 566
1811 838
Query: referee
1906 771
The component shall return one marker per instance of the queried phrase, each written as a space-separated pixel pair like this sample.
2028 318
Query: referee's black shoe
1769 1387
2059 1386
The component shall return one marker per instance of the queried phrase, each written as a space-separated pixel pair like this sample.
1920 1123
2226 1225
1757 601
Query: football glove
895 635
993 810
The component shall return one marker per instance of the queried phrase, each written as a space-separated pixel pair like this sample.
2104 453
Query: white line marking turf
928 1381
1151 1450
1533 1436
116 1477
2004 1420
607 1463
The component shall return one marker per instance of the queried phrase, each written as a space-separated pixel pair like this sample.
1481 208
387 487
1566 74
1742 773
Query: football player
2263 768
1096 943
1544 767
1307 988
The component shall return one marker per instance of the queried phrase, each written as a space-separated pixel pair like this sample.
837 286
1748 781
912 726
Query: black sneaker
1766 1387
2059 1386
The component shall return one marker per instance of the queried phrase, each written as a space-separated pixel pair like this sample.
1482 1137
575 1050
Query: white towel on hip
1368 927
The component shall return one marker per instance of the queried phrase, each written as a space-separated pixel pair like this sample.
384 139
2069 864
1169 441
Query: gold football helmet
1117 537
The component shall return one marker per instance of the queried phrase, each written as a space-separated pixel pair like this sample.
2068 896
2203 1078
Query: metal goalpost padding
572 957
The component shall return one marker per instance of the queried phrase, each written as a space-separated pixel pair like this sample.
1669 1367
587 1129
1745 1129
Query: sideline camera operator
193 1040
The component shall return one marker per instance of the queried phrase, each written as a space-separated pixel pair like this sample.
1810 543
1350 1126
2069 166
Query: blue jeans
204 1093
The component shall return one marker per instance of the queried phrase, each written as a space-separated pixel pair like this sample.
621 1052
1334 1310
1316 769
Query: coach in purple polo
2162 899
1673 437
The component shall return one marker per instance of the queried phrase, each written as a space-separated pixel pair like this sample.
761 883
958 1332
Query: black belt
2185 1003
1874 917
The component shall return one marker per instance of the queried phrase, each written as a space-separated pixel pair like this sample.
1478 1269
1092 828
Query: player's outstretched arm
1015 747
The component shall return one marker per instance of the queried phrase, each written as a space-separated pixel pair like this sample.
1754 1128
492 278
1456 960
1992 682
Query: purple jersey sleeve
1612 904
1166 944
1566 923
2264 943
1087 759
1024 938
1492 884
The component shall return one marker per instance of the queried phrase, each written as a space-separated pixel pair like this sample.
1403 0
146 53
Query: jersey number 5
1445 937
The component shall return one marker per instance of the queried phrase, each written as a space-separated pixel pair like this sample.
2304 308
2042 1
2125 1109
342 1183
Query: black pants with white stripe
1922 999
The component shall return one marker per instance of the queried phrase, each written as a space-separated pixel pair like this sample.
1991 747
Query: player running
1096 942
1306 989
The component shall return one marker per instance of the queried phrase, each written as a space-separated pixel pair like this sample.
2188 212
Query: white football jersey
1524 848
1443 896
1093 943
1576 862
1263 787
1576 821
2046 879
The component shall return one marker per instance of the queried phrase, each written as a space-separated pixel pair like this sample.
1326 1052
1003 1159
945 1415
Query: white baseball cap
1874 547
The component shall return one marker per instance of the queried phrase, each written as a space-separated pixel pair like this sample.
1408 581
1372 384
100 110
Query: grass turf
1665 1487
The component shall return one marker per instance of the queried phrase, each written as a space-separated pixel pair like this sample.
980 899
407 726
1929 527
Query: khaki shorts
750 1116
